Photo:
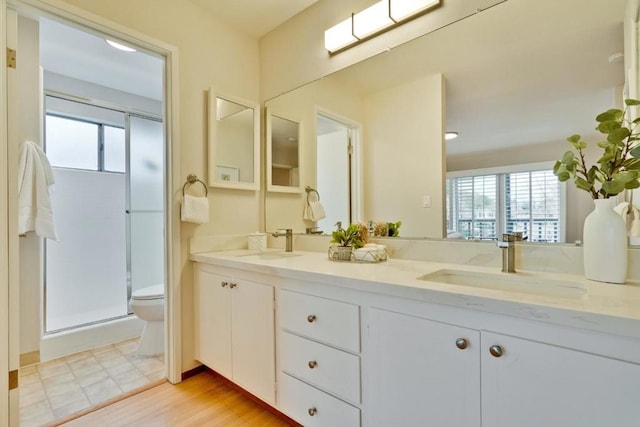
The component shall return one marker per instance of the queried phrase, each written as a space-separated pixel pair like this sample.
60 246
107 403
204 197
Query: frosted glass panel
71 143
146 164
86 268
114 149
147 249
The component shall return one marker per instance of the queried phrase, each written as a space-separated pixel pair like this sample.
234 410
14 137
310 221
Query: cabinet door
253 339
534 384
419 376
212 305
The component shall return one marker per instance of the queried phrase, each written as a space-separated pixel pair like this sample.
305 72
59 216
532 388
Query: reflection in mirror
283 154
234 144
515 90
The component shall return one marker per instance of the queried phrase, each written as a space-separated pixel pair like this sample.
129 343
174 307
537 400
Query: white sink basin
512 282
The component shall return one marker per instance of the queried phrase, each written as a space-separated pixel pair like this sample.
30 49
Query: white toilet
148 304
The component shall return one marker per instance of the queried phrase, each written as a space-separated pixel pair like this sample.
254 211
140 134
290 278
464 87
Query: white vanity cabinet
319 362
423 372
534 384
234 330
429 373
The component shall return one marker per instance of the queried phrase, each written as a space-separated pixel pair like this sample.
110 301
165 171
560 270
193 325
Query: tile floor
55 389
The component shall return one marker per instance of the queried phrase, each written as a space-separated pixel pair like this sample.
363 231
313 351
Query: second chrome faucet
507 244
288 233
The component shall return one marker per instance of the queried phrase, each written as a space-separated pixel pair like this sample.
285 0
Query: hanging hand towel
35 185
195 209
314 211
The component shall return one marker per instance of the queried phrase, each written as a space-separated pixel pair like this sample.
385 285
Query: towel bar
310 190
192 179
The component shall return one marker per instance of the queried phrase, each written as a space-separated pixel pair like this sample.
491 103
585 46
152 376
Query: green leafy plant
348 237
618 168
394 228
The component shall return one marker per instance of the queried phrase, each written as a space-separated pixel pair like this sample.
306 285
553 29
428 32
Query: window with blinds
485 206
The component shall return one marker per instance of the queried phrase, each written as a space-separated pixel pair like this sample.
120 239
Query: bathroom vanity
401 343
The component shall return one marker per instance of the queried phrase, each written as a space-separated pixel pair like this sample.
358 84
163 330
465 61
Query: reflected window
484 207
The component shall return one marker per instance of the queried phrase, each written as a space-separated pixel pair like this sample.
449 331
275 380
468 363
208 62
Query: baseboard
193 372
254 398
30 358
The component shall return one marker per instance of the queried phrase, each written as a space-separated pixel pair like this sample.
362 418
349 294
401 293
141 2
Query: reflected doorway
337 166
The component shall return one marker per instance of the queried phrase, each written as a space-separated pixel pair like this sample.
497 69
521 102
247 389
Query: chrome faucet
508 250
289 236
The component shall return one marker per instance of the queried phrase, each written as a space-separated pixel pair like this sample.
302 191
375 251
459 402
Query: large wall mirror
234 143
519 78
283 154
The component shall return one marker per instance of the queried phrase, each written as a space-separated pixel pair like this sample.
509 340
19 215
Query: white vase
605 244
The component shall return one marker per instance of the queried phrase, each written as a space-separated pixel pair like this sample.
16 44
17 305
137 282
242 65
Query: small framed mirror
234 143
283 154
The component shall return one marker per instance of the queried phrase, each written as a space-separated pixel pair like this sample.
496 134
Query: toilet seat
149 293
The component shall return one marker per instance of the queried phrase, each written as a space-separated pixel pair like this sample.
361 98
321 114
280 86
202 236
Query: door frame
8 235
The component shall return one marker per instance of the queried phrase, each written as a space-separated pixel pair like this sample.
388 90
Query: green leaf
612 187
635 152
604 144
563 176
568 157
625 176
631 185
574 138
591 174
632 164
631 102
610 115
583 184
608 126
556 167
617 135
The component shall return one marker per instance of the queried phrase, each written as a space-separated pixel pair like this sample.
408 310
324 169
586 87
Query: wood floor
202 400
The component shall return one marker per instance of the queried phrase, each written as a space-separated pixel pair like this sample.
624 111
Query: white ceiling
254 17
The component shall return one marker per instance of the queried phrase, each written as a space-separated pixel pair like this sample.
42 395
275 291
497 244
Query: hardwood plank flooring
202 400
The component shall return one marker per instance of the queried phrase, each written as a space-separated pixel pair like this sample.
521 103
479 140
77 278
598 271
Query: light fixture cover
403 9
372 19
339 36
450 135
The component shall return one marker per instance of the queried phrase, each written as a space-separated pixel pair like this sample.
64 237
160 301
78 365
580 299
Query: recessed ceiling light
119 46
450 135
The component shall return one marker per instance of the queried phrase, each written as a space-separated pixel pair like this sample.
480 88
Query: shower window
72 143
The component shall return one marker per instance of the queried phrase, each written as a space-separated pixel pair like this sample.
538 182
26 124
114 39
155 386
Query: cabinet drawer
334 322
323 366
312 407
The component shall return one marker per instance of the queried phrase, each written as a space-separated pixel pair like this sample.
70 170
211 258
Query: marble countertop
563 299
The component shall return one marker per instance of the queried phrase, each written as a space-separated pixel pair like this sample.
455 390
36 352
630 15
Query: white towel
195 209
314 211
35 187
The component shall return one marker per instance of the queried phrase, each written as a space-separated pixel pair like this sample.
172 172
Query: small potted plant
347 240
394 228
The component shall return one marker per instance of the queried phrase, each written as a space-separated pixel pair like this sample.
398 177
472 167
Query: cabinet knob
496 350
233 285
461 343
312 411
224 284
311 318
312 364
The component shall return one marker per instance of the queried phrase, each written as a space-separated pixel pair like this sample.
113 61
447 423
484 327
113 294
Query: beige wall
211 54
404 157
293 54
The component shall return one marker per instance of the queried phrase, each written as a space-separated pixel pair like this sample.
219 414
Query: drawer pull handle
311 318
224 284
312 364
233 285
312 411
461 343
496 350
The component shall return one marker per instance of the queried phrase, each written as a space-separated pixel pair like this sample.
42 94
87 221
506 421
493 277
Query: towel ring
310 190
192 179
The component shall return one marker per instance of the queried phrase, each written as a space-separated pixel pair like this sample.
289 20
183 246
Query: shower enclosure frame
128 113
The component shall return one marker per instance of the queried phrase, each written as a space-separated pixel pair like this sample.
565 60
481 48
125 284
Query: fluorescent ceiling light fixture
372 19
403 9
382 16
119 46
450 135
339 36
